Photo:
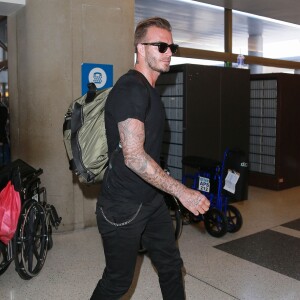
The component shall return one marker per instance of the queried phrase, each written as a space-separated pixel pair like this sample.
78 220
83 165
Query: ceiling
202 26
10 6
284 10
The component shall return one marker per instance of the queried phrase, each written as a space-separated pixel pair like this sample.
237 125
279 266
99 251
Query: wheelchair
218 181
33 236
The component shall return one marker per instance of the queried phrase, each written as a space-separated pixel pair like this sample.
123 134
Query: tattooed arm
132 136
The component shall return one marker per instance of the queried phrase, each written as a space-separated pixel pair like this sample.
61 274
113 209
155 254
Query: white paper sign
231 180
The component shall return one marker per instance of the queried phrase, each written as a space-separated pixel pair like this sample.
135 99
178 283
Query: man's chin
162 69
165 69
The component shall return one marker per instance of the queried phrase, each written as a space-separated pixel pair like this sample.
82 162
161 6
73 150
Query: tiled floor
261 261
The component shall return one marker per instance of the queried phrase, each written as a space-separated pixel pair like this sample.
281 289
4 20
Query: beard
157 65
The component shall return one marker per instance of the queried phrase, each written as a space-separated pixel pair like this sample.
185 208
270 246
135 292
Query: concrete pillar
255 48
48 41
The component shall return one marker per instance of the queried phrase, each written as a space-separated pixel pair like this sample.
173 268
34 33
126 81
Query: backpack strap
91 94
77 121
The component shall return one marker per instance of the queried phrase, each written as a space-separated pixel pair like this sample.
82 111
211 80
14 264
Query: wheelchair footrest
55 219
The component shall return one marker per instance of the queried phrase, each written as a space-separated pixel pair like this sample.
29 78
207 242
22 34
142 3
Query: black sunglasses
163 47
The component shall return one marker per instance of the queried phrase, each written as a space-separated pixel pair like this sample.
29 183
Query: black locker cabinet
207 110
274 153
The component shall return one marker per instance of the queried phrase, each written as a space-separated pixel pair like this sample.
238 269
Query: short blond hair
142 28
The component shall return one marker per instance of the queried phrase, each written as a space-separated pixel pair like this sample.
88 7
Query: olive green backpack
85 137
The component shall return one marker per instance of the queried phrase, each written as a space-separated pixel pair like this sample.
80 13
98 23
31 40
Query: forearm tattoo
132 136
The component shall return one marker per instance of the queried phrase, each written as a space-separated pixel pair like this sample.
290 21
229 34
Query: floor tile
293 224
270 249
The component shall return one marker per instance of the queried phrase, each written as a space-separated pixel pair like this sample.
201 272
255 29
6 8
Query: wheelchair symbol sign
101 75
98 76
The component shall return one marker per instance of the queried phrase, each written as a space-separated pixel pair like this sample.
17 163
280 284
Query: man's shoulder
129 81
132 76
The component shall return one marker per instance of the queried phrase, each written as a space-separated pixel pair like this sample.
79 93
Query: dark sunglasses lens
163 47
173 48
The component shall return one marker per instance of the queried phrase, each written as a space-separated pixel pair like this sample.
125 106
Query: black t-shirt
132 97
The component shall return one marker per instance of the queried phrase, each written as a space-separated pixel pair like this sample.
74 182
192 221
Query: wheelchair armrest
200 163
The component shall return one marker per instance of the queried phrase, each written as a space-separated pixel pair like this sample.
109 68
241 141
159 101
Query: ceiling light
202 4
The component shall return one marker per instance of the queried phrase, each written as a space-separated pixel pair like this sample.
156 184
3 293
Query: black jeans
121 245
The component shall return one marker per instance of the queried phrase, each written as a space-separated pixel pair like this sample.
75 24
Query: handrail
3 46
232 57
3 65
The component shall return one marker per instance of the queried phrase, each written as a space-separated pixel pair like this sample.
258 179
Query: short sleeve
129 99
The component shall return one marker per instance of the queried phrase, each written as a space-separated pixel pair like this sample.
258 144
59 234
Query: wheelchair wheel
31 240
49 226
50 238
234 219
4 262
175 213
215 222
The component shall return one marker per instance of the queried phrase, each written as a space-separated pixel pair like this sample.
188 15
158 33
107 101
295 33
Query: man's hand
194 201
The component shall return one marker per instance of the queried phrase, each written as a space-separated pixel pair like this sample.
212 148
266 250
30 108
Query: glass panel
265 37
198 25
195 25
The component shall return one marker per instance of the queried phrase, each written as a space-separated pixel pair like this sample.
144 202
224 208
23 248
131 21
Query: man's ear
140 49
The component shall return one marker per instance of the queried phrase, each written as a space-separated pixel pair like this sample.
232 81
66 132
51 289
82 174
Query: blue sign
101 75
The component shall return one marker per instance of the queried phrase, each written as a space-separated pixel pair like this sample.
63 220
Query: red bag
10 207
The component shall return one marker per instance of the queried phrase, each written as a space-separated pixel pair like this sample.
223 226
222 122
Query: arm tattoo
132 136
